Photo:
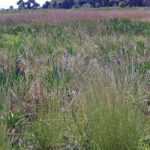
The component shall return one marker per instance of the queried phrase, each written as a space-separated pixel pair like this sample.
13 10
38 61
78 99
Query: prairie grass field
61 16
75 80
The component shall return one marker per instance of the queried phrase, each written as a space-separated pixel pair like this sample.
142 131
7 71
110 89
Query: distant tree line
30 4
67 4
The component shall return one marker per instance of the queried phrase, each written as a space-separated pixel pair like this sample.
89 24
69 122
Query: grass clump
114 121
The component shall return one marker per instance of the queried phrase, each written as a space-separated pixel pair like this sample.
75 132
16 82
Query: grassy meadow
75 80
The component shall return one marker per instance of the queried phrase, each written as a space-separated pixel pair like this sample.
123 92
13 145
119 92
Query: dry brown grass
60 16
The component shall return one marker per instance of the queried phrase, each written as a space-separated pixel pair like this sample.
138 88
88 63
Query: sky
6 3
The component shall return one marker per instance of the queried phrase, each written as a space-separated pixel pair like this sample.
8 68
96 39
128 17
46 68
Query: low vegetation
55 17
74 84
